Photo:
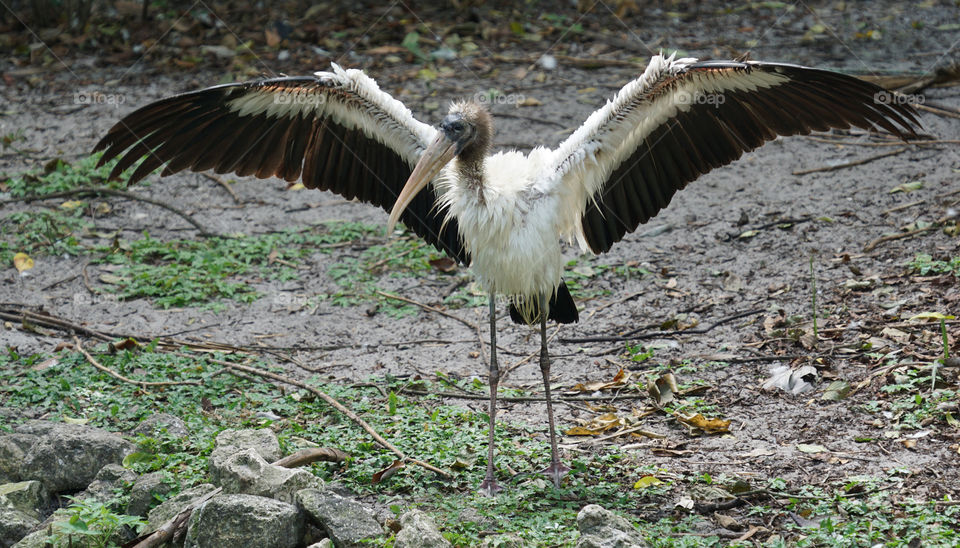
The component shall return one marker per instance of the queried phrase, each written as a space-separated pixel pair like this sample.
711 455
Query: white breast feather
511 234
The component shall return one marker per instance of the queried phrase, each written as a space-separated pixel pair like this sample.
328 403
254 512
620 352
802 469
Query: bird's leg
557 469
489 485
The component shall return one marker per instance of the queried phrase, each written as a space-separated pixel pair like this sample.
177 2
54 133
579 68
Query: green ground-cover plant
64 385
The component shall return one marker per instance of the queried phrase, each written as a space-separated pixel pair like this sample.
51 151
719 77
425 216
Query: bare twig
572 61
98 191
892 237
536 119
376 266
333 403
116 375
469 396
892 143
618 433
939 110
225 185
312 454
901 207
853 163
631 335
175 526
529 356
29 317
473 326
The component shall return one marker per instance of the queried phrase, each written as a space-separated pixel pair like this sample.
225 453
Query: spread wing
335 130
682 118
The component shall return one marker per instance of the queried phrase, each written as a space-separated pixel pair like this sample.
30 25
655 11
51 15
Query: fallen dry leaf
597 425
444 264
22 262
663 389
759 452
618 381
647 481
387 472
710 426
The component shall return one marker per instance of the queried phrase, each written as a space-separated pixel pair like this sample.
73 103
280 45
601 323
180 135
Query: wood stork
503 214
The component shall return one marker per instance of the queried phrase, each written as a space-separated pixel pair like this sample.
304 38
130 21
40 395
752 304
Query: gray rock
14 525
601 528
13 447
325 543
68 456
37 539
110 478
263 441
159 423
144 492
347 522
28 497
247 472
419 530
36 427
244 520
42 533
174 505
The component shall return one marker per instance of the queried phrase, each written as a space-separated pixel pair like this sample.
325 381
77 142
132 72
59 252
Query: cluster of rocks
249 500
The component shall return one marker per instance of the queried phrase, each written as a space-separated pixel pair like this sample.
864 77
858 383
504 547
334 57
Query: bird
505 214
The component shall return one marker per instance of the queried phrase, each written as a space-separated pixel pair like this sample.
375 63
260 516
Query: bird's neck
470 175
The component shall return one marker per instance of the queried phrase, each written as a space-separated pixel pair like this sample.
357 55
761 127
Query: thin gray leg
557 469
489 485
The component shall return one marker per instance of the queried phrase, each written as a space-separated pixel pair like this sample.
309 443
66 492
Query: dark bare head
466 133
470 127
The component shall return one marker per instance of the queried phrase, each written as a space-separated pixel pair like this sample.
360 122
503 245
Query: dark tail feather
562 308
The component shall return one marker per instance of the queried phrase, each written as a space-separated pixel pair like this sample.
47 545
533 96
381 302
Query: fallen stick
892 237
175 526
853 163
844 142
113 192
116 375
312 454
329 400
572 61
225 185
635 335
473 326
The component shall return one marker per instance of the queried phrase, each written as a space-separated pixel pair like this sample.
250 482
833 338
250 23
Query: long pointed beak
437 155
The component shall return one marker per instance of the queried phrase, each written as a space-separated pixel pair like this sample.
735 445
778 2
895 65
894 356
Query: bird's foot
556 471
490 487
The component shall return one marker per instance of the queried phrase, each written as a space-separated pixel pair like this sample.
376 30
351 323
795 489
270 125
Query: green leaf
138 457
907 187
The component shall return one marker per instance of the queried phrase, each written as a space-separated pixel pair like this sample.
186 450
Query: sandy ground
701 268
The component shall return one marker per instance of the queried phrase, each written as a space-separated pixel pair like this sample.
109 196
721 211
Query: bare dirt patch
738 239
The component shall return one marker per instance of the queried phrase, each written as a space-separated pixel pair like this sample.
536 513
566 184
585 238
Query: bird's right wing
335 130
684 117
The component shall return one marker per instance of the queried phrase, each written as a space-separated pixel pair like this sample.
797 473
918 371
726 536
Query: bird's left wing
682 118
335 130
